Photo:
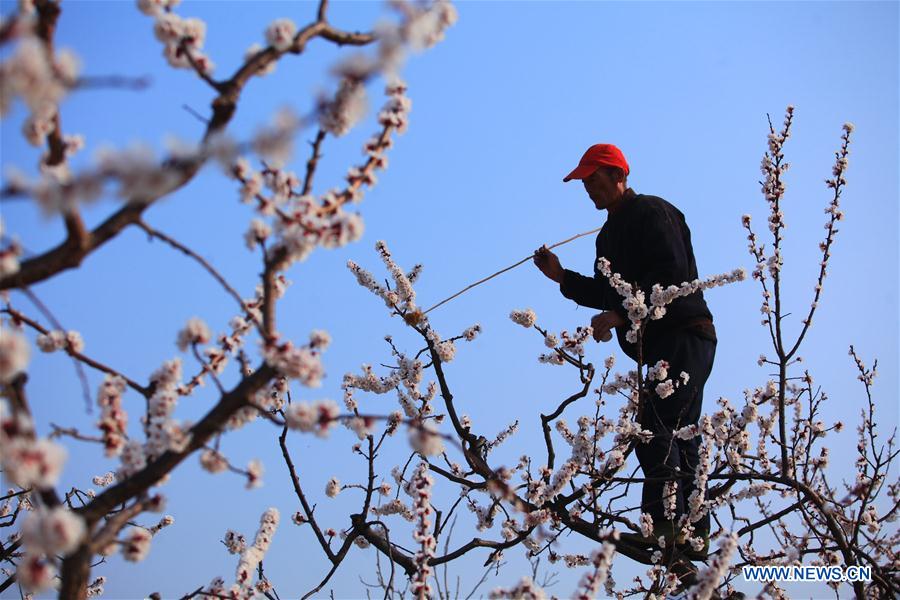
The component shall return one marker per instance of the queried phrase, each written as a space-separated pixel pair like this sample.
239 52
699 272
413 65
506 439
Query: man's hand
605 321
548 263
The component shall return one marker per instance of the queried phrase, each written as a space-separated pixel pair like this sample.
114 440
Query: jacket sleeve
586 291
665 258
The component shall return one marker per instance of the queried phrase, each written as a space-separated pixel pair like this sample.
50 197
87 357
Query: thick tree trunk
76 569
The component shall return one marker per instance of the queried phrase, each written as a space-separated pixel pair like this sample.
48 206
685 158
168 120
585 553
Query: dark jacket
646 241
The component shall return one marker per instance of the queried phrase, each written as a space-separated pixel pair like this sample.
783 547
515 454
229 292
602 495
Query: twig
313 161
113 81
219 87
184 249
85 387
16 315
72 432
195 114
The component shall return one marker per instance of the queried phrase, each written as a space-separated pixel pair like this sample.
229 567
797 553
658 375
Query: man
647 241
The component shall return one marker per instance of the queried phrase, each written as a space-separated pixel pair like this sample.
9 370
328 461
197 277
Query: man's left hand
605 321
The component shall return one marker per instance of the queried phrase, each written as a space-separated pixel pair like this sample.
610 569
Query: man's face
602 187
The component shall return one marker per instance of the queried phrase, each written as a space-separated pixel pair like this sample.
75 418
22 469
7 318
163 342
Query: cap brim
580 172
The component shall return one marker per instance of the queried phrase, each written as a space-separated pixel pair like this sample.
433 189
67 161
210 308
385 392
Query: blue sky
502 110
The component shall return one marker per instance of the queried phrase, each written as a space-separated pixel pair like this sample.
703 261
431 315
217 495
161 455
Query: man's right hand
548 263
603 323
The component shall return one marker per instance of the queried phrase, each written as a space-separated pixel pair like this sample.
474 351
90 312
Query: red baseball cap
598 155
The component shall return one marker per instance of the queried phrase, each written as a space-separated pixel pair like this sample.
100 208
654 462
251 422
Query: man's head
603 171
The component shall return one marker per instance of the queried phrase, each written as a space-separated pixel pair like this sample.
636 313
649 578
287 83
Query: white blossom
470 333
53 530
425 439
194 332
338 116
254 474
136 544
212 461
333 488
253 554
14 354
526 318
302 364
665 389
319 417
280 34
709 577
421 483
526 589
51 341
35 572
30 463
257 233
592 581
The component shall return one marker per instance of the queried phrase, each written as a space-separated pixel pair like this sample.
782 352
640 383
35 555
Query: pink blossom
659 371
212 461
646 524
665 389
425 439
31 463
446 351
133 458
395 507
257 233
275 142
320 416
296 363
592 581
53 531
29 74
319 339
361 426
152 8
95 589
14 354
252 555
254 474
168 27
301 415
526 318
280 34
195 332
526 589
710 577
35 572
426 28
470 333
421 491
234 542
75 341
51 341
104 480
136 544
9 260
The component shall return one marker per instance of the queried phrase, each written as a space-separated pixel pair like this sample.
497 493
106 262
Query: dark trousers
665 455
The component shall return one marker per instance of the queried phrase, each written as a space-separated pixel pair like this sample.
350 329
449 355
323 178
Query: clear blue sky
502 110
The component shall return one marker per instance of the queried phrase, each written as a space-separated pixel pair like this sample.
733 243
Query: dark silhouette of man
647 242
